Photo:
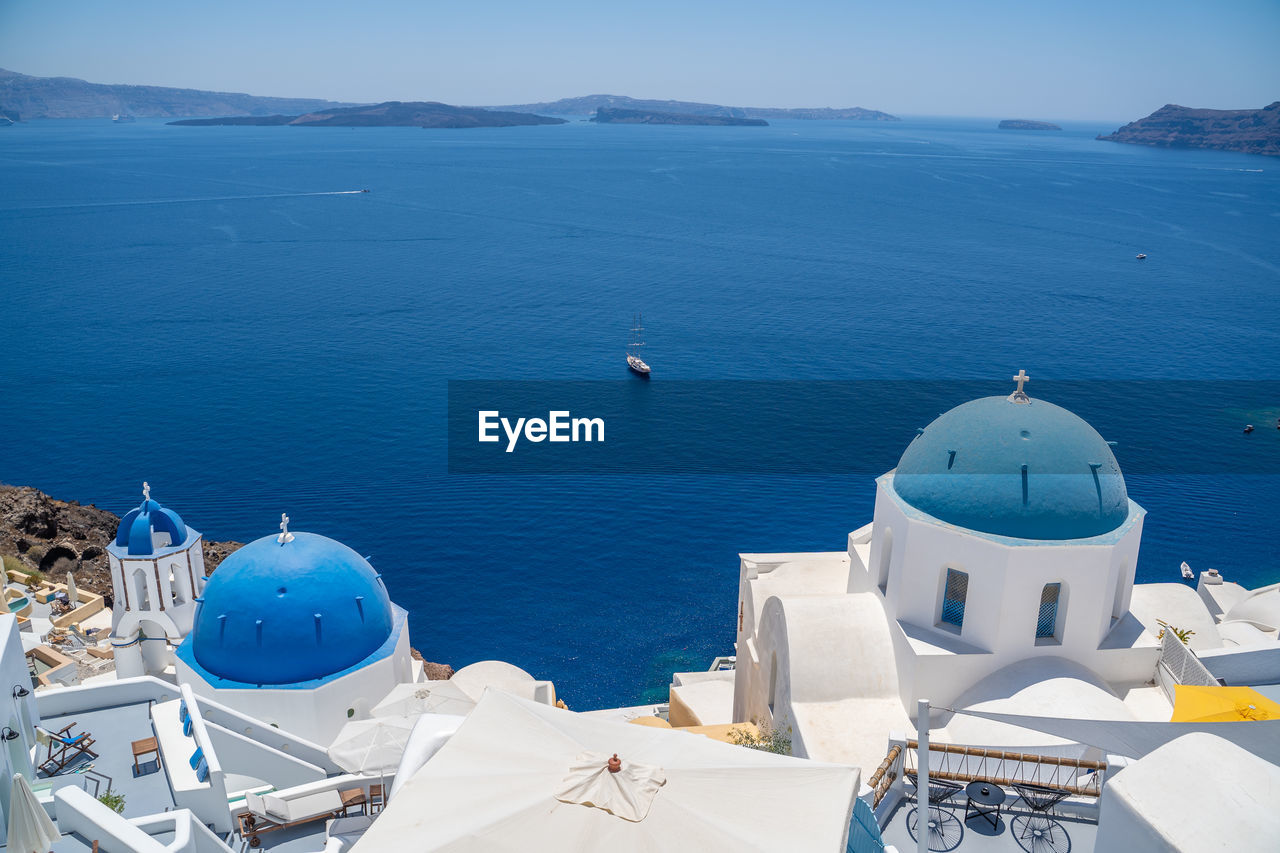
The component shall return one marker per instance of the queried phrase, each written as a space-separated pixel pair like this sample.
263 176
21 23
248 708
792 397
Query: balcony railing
957 763
1179 665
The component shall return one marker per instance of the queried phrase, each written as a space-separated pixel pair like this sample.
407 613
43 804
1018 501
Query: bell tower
157 572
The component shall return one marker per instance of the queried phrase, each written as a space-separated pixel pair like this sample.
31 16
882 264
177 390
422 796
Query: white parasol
372 746
519 775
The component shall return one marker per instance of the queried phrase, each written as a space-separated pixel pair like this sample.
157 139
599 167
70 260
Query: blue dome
277 613
1029 470
138 526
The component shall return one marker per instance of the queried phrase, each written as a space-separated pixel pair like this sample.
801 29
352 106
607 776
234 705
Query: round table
985 799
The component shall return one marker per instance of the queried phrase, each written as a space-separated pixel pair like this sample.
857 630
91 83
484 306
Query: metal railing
1181 665
958 763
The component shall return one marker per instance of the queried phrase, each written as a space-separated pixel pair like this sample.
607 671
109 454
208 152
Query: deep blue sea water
197 308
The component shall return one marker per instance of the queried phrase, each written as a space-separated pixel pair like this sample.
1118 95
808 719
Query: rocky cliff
1172 126
56 536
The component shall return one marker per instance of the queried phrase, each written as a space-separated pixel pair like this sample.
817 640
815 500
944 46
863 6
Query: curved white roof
1036 687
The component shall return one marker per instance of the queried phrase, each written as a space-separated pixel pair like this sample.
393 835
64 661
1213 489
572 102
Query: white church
294 629
997 574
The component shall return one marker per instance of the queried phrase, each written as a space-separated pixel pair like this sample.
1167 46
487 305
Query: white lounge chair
270 812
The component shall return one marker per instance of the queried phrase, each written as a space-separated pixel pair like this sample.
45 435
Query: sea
224 313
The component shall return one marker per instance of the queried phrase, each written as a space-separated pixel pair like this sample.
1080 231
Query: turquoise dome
1029 470
135 531
277 613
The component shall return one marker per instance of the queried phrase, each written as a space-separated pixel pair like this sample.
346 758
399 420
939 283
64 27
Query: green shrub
113 800
769 740
13 564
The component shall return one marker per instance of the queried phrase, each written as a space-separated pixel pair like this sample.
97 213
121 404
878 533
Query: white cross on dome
1020 396
285 535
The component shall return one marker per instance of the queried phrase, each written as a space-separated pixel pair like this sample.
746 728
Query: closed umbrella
431 697
519 775
72 595
30 829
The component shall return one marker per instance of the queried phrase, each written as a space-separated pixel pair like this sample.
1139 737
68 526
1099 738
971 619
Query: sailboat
634 361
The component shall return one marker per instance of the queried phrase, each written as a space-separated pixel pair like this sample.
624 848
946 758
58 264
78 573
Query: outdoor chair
64 748
1040 831
944 828
377 799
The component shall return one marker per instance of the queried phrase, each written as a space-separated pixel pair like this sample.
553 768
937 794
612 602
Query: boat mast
637 340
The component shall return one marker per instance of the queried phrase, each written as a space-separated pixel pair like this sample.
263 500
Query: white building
997 573
157 572
19 716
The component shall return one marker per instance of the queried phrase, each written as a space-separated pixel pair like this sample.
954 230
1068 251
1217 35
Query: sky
1113 60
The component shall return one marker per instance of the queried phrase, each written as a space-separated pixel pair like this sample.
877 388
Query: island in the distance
605 115
389 114
587 105
1172 126
1027 124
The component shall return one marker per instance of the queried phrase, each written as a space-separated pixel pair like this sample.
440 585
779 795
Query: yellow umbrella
1221 704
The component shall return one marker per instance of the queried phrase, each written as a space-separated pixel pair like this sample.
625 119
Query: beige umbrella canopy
519 775
429 697
72 594
30 829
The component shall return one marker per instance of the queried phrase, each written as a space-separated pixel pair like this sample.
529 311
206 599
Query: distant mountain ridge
388 114
68 97
1172 126
588 104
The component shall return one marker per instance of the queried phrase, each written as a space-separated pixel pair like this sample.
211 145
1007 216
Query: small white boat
1141 257
634 362
122 118
1187 574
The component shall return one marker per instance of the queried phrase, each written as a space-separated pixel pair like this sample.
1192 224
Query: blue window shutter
953 598
1047 620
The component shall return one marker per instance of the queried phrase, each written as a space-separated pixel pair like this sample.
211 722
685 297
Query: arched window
886 554
1047 620
177 585
953 597
141 590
